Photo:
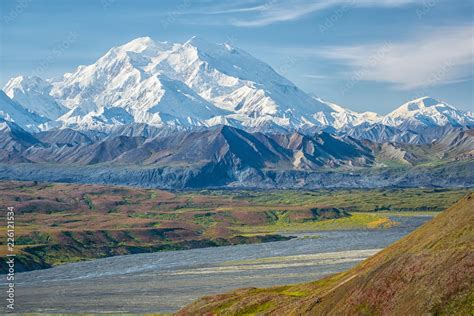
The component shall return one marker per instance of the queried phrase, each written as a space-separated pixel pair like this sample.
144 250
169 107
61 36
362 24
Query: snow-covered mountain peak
138 45
24 83
14 112
211 49
33 93
426 101
145 46
340 117
427 111
418 104
196 83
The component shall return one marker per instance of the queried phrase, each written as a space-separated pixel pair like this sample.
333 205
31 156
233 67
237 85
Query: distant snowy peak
341 117
427 111
422 112
34 94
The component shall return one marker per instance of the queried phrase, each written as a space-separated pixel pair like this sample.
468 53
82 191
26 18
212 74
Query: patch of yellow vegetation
355 221
381 223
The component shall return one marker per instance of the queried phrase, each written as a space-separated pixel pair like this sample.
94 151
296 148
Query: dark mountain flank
228 156
429 271
232 147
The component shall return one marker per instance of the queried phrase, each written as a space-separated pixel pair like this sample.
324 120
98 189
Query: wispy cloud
317 77
257 13
236 10
274 11
442 56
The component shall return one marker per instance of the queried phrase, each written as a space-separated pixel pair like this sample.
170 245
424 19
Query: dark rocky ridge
225 156
455 174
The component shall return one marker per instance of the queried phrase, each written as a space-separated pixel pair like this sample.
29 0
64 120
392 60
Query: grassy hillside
429 271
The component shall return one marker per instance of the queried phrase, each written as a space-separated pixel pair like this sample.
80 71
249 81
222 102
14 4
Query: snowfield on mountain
190 84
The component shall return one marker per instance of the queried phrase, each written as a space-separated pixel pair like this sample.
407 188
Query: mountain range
191 84
225 156
197 114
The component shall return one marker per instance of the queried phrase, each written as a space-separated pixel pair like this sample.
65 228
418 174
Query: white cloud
274 11
443 56
256 13
318 77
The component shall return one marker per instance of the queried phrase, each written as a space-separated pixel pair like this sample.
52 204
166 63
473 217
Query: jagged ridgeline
227 156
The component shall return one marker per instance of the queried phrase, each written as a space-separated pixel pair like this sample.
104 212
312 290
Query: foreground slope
430 270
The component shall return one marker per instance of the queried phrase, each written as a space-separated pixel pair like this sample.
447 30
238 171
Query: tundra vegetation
59 223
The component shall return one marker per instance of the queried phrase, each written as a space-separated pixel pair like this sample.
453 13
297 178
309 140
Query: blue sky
363 54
